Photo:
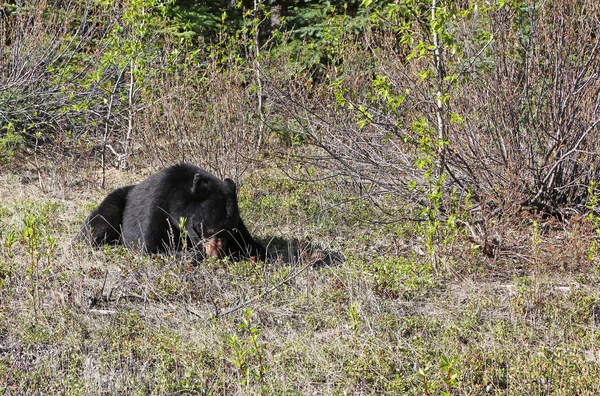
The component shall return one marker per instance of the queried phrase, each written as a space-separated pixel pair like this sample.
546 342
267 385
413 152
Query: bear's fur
103 225
148 215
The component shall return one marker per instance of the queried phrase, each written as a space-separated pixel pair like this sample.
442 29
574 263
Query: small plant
30 237
50 248
9 142
594 218
7 265
450 376
38 246
249 352
354 317
448 373
536 237
397 277
592 204
422 374
182 233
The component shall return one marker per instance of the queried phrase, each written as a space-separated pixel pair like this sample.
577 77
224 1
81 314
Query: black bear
150 215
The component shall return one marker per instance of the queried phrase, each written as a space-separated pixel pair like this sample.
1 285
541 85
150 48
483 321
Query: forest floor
349 305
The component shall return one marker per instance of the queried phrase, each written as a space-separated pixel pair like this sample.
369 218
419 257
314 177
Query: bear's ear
200 184
231 184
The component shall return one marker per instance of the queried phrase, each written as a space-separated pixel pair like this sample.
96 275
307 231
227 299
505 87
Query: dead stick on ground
259 296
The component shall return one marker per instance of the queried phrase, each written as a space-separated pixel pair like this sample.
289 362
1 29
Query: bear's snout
214 248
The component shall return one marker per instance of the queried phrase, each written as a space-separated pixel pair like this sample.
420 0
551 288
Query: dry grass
371 314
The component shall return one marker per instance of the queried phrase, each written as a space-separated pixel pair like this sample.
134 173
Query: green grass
378 315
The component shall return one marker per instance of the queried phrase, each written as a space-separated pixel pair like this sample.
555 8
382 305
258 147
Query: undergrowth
346 307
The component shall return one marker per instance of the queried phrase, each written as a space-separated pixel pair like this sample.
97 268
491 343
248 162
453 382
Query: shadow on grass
295 252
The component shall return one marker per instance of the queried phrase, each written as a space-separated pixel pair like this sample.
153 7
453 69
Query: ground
351 304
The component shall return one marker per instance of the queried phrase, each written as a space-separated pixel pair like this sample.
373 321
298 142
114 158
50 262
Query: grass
375 314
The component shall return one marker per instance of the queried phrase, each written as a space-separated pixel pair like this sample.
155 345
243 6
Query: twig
106 126
259 296
190 311
130 114
103 311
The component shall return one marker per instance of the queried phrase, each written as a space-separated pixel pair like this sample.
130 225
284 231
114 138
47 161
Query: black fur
147 215
103 225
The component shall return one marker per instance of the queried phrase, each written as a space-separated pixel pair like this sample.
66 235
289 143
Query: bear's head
213 213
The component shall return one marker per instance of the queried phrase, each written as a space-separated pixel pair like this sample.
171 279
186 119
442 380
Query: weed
7 264
397 277
449 374
249 352
353 314
426 386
